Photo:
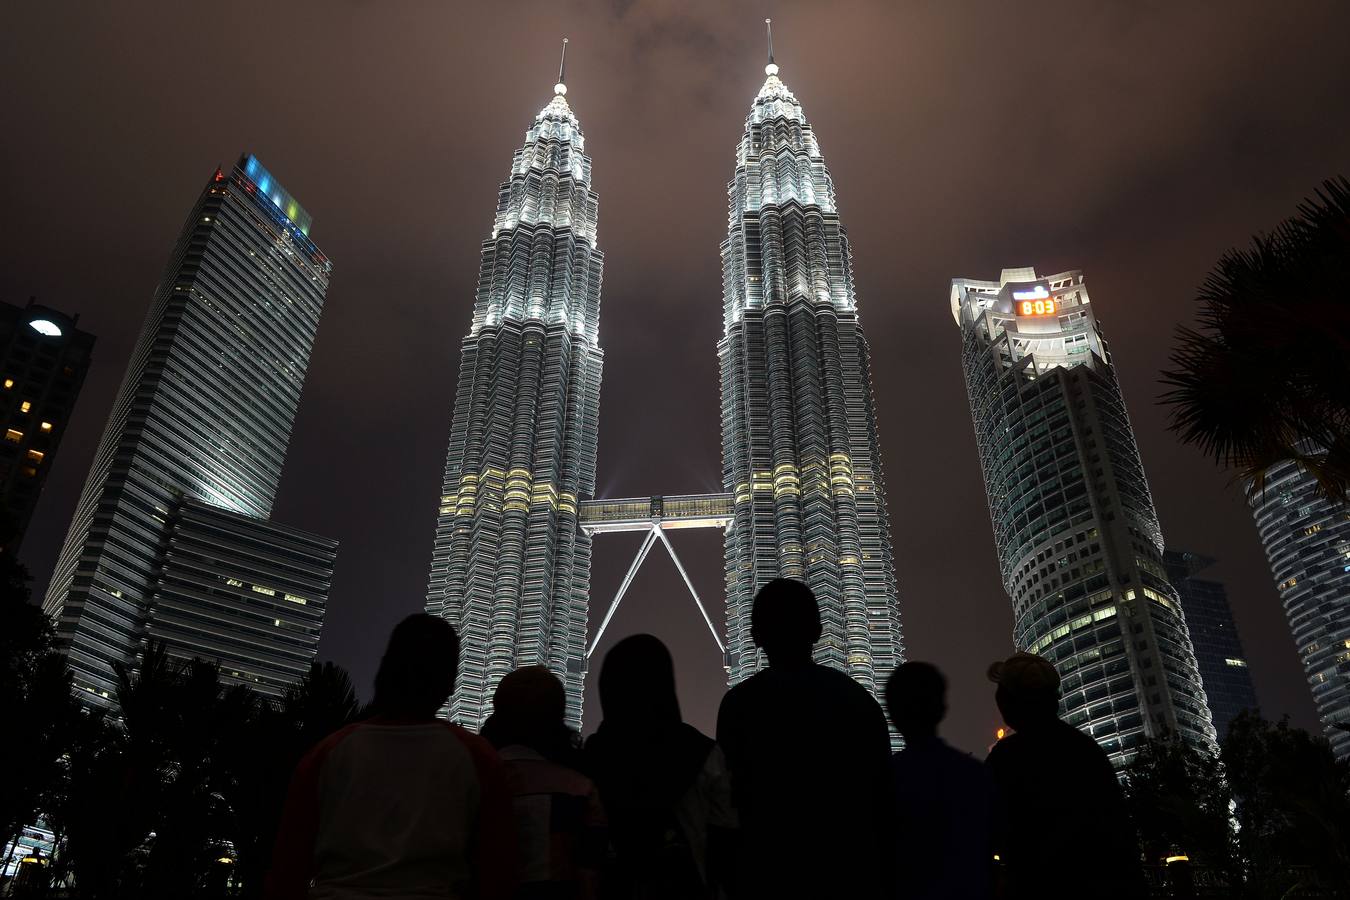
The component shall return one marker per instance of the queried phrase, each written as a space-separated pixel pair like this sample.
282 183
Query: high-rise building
43 361
1307 541
203 414
1214 635
799 437
510 569
246 593
1079 546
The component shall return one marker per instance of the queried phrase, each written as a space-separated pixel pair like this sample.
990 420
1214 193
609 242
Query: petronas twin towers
511 567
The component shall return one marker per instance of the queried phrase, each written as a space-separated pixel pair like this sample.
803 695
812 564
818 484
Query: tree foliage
1265 377
180 795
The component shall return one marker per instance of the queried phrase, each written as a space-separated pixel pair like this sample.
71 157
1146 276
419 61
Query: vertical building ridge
799 437
510 568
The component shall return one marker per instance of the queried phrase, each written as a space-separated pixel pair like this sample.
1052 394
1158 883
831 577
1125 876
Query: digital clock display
1036 307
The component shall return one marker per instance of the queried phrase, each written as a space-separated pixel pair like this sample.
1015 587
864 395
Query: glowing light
771 69
46 426
560 88
1037 293
45 326
1180 857
998 735
1036 307
25 406
9 383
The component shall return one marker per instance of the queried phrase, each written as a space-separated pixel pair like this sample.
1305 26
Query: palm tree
1265 377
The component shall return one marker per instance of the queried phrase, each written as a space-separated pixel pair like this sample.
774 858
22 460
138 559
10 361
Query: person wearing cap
809 755
1061 826
401 804
560 824
944 799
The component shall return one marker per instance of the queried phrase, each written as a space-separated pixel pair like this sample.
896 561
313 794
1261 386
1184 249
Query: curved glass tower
511 570
799 437
1307 541
1079 544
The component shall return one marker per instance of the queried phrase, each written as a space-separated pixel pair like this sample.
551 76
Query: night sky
1134 140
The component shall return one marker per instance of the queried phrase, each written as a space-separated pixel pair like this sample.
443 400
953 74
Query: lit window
46 426
30 471
12 435
9 383
25 406
1236 663
35 455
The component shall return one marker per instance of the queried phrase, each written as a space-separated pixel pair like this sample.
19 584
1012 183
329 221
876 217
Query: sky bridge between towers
655 516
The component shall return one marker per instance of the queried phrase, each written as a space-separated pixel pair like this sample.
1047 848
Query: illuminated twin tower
804 499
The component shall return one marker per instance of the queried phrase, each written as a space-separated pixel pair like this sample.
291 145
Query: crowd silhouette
798 795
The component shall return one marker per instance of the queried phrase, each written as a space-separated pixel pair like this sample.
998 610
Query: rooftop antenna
771 68
561 86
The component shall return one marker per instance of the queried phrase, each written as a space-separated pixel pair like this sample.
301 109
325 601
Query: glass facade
245 593
511 569
43 361
799 438
1307 541
1079 545
204 413
1218 651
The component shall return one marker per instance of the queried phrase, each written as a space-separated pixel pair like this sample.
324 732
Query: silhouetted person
661 781
809 755
1061 827
402 804
560 824
944 799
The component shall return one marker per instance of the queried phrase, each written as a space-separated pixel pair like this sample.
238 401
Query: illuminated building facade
1218 650
43 361
799 437
1079 545
246 593
203 414
511 569
1307 542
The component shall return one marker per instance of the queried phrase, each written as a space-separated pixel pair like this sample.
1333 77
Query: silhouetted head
637 682
529 708
785 621
916 697
417 672
1028 690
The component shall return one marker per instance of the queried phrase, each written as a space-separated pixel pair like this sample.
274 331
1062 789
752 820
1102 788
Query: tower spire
771 68
561 86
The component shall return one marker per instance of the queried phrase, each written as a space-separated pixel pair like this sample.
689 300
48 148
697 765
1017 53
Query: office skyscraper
204 414
43 360
1218 651
799 437
1307 541
1079 545
510 569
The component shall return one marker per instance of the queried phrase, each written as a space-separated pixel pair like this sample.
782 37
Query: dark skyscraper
203 416
43 360
1079 545
510 569
1218 651
799 437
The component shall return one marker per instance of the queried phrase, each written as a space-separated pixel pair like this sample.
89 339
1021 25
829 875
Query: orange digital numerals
1038 307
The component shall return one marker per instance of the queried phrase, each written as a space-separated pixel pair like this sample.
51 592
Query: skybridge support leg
623 587
693 593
